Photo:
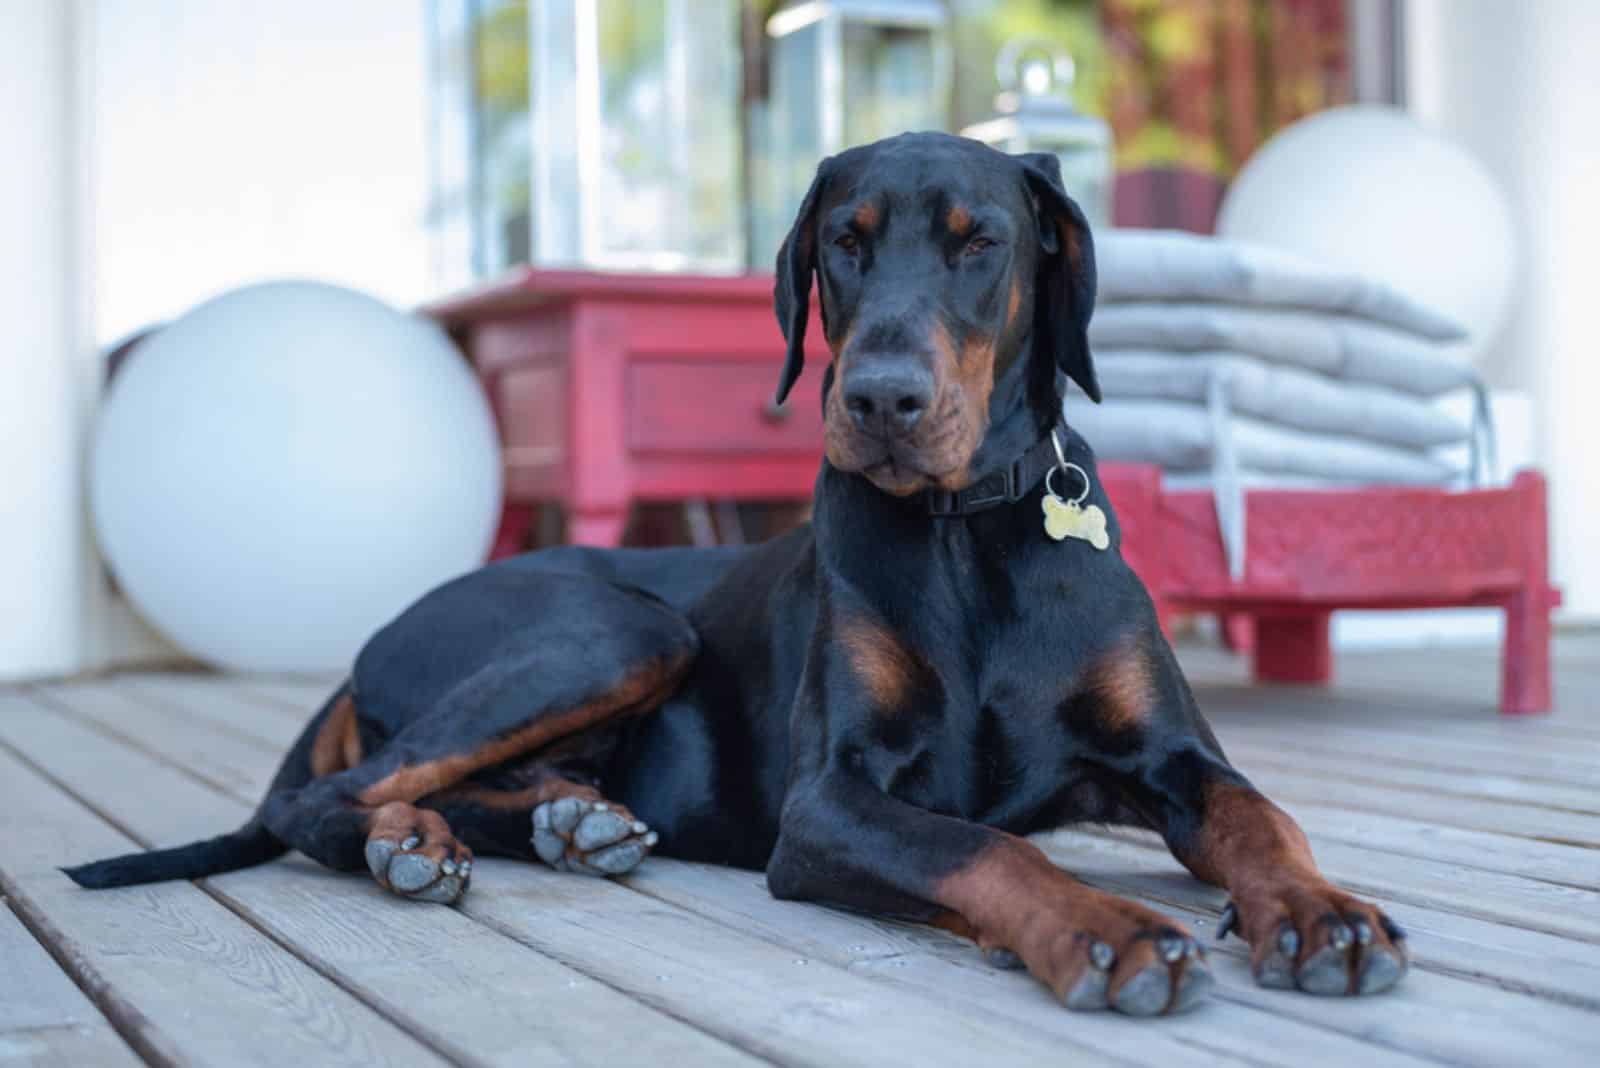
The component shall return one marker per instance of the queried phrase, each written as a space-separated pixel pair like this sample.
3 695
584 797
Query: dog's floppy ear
791 294
1064 294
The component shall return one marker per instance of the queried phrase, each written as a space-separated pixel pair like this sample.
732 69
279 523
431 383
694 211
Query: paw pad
591 837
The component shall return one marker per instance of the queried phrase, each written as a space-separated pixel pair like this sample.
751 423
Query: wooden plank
294 696
1526 821
467 990
226 762
44 1019
1537 760
792 1008
184 978
202 698
1566 865
1477 785
941 966
1566 911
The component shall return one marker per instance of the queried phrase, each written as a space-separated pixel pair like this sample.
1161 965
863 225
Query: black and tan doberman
874 707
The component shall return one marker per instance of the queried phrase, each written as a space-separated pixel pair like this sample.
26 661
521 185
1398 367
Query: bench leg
1238 631
1525 659
1293 648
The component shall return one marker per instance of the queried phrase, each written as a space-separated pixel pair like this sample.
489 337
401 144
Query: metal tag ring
1067 466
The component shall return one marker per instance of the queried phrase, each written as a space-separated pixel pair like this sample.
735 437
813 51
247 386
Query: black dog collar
1006 486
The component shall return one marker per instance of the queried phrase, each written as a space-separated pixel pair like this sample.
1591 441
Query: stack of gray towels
1234 366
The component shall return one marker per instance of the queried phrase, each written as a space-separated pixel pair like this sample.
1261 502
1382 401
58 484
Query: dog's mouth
897 467
895 475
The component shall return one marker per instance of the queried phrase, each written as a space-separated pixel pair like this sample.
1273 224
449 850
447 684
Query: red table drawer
717 406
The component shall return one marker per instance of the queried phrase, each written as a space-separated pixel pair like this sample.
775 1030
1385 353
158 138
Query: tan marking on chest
1122 686
880 661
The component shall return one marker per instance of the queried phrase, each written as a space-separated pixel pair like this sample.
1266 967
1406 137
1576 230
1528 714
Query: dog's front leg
1303 931
1155 747
844 842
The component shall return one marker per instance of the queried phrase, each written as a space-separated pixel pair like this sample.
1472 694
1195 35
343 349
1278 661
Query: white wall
237 141
42 345
1519 85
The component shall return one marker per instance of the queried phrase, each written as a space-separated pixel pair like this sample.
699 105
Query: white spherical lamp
1372 190
284 468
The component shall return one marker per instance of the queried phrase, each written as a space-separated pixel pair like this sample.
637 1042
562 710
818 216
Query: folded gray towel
1337 345
1171 265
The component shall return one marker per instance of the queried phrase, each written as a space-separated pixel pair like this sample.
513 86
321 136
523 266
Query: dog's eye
849 243
977 245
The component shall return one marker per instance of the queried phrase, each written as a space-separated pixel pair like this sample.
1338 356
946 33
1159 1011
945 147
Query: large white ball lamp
1374 191
281 470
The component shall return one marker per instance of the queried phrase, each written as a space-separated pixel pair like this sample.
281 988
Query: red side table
611 389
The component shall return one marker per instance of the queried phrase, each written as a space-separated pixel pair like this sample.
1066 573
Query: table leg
1295 648
516 520
597 528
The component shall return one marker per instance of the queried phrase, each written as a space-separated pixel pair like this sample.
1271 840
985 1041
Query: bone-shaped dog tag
1069 519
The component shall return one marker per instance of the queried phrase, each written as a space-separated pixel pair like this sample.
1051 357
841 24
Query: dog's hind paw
592 837
412 854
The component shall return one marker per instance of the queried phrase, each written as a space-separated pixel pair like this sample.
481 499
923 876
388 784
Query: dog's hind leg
543 682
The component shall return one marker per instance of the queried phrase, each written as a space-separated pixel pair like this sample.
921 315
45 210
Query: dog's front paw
589 836
1104 952
411 853
1308 934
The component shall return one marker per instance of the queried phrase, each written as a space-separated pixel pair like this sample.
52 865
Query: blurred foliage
1198 84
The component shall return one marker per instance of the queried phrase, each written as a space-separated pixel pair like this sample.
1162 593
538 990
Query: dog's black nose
887 399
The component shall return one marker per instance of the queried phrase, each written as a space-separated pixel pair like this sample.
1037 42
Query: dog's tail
250 845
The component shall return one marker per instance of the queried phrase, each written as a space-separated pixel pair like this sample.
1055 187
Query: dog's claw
1102 956
1229 921
1002 958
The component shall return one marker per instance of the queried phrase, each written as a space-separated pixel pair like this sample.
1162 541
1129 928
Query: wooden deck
1481 836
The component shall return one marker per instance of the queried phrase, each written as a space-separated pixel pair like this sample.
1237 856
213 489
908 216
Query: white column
44 563
1519 86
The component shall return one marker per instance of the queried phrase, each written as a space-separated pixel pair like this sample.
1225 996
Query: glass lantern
842 73
1033 114
635 155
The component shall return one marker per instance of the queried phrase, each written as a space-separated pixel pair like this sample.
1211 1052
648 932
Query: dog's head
955 280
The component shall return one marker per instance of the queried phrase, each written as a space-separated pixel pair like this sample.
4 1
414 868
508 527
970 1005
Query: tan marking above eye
866 215
958 220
